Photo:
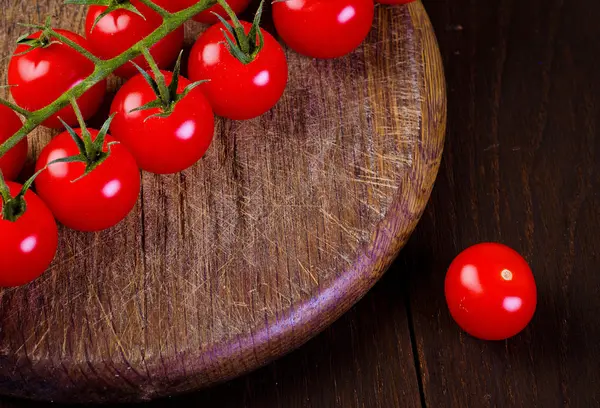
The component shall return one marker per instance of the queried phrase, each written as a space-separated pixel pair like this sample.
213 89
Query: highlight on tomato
113 29
44 67
163 119
92 182
28 234
323 28
490 291
12 162
245 67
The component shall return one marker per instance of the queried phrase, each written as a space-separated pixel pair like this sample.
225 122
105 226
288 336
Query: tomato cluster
160 122
164 123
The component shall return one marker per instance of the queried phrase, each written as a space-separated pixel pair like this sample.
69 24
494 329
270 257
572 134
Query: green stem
85 134
75 46
15 107
158 76
244 47
103 70
14 207
241 37
158 9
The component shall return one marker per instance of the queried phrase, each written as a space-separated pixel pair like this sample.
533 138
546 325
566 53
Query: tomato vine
103 68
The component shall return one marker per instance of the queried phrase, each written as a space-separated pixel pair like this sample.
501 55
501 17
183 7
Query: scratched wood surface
287 222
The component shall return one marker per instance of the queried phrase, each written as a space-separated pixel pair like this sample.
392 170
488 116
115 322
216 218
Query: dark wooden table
522 166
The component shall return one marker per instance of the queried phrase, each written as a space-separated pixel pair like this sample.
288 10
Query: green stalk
15 108
75 46
171 22
158 9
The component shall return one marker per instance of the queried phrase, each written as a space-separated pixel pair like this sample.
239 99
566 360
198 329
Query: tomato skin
12 162
28 245
120 30
162 145
235 90
95 202
42 75
323 28
490 291
206 17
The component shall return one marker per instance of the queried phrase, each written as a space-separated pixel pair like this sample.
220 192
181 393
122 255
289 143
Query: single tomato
164 139
12 162
120 29
28 237
43 72
323 28
88 202
207 16
490 291
238 90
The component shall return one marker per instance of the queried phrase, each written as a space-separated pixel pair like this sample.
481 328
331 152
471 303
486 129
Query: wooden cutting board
283 226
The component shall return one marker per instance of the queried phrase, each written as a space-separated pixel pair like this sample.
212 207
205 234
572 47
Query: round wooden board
285 224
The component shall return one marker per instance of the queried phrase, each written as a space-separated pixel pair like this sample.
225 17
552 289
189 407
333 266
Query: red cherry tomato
27 245
235 90
394 1
323 28
490 291
95 202
42 75
207 16
12 162
121 29
162 145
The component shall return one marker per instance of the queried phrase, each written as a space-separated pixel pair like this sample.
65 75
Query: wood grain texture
286 223
362 360
522 166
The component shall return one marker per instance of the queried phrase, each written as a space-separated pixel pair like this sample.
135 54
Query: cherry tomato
121 29
490 291
12 162
235 90
162 145
394 1
206 17
27 245
42 75
96 201
323 28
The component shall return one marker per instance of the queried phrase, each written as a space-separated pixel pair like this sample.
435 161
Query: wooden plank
522 166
